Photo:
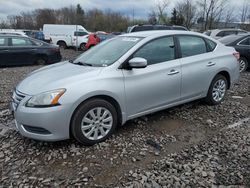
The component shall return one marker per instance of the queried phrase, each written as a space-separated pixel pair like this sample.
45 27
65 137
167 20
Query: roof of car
159 33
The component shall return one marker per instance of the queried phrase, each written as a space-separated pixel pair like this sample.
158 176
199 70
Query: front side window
21 42
230 33
192 45
157 51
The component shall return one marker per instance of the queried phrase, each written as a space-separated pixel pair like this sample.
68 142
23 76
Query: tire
85 125
217 90
41 60
62 45
243 64
82 47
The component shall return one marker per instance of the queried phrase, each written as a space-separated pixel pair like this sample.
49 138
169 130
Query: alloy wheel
242 65
219 90
97 123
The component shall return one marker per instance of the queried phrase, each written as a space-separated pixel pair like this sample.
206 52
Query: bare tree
188 10
229 15
244 11
211 11
161 6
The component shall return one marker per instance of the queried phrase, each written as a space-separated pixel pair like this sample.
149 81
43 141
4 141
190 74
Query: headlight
46 99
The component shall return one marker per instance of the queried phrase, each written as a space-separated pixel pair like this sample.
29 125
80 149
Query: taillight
237 55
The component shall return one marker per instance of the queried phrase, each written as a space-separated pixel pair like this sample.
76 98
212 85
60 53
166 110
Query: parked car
18 50
66 35
93 40
17 33
120 79
241 43
137 28
219 33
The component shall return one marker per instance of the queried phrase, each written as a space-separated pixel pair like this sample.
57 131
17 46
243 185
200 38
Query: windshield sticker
130 39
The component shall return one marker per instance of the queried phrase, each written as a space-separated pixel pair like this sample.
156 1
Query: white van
66 35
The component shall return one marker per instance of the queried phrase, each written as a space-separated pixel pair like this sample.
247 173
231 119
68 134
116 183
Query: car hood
56 76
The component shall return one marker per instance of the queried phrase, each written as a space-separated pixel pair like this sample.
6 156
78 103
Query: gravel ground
192 145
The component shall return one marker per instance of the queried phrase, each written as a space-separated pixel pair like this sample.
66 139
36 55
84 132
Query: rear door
198 66
4 52
23 51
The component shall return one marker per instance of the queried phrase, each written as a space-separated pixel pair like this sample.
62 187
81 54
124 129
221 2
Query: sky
141 8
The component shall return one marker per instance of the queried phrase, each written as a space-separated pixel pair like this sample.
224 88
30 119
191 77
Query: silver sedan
120 79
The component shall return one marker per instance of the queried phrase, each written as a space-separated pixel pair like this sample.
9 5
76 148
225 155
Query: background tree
211 11
188 11
177 18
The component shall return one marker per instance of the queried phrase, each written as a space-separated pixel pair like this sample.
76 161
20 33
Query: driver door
156 86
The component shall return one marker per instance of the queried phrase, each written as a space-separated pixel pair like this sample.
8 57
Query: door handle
210 64
172 72
5 50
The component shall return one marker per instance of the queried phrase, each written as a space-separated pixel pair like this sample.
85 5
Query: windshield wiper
83 63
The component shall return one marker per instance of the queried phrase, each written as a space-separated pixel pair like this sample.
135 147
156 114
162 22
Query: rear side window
3 41
157 51
245 42
21 42
211 45
192 45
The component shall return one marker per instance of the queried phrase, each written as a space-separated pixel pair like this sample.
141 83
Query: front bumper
46 124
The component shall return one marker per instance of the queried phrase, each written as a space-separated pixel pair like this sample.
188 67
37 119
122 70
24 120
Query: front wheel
82 47
243 64
217 90
94 121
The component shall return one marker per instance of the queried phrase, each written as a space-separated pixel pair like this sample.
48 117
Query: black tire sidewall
80 113
209 97
62 45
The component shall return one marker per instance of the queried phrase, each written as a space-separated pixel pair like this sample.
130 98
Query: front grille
36 130
17 97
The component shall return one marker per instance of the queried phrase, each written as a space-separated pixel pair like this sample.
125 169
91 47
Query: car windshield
107 52
229 39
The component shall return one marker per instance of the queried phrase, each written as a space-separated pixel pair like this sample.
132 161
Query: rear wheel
217 90
243 64
94 121
62 44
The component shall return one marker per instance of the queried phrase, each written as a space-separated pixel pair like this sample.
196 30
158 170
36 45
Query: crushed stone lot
192 145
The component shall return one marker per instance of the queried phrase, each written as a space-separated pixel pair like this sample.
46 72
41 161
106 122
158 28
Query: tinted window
229 39
142 28
230 33
159 27
179 28
242 32
191 45
211 45
80 33
21 42
208 33
221 34
157 51
3 41
245 42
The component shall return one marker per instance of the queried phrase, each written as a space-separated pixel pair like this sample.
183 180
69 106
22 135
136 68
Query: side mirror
137 62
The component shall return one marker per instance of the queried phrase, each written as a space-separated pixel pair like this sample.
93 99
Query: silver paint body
138 91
